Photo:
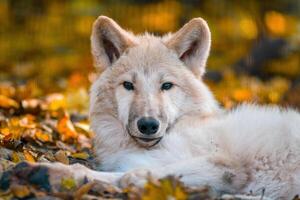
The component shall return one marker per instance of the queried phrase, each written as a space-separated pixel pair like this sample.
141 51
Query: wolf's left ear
108 42
192 44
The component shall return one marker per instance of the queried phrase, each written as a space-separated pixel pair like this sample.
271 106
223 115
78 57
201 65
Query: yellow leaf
84 128
248 28
5 131
56 101
167 188
68 183
6 102
15 157
82 155
180 193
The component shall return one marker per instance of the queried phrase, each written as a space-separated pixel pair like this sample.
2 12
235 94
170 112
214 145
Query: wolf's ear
192 44
108 42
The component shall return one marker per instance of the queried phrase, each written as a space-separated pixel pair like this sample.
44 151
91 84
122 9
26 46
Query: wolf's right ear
192 45
108 42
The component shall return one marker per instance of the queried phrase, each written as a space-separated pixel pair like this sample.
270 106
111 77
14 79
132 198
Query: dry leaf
28 156
62 157
43 136
84 189
56 101
20 191
6 102
68 183
66 129
81 155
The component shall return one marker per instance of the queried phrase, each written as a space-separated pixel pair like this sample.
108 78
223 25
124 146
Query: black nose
148 125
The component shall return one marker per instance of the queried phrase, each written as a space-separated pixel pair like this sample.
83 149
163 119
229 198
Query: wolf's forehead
149 60
150 52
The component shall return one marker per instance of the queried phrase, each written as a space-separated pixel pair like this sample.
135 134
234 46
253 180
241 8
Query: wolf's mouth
148 142
145 141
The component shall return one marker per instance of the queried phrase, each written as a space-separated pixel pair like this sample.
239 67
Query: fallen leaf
15 157
166 188
81 155
28 156
66 129
20 191
6 102
42 136
68 183
84 189
56 101
62 157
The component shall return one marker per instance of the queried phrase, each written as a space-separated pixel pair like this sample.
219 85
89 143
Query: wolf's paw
47 176
137 178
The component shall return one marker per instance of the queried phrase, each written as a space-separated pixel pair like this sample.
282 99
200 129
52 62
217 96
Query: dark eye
166 86
128 86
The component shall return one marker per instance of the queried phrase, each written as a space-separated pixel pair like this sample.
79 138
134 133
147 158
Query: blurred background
45 47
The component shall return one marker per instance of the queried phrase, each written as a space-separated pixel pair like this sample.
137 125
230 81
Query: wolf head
148 83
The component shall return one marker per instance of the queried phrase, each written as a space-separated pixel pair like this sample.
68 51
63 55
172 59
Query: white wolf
151 112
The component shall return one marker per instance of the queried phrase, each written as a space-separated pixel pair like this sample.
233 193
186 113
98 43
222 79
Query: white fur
244 150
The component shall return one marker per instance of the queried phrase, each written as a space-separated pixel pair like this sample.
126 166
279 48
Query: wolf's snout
148 125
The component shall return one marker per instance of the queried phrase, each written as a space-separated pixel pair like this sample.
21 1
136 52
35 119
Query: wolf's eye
166 86
128 86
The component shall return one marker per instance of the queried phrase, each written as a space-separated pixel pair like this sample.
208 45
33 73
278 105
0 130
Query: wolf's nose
148 125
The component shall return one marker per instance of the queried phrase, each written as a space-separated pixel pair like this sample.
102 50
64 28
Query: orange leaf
242 95
28 156
66 129
27 121
6 102
20 191
43 137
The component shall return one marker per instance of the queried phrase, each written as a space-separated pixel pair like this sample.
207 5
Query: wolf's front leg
80 172
51 175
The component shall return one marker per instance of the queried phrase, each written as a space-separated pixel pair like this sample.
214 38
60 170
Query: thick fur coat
246 150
